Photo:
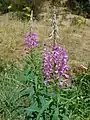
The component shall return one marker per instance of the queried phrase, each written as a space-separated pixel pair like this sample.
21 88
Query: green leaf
55 115
35 82
32 108
42 100
65 117
28 91
45 106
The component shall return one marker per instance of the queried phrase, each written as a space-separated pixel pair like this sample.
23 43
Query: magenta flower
30 41
47 66
55 64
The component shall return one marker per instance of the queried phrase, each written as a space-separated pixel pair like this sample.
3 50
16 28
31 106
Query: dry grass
75 39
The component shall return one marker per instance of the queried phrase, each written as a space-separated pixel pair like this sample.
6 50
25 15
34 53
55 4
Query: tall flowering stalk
30 39
54 34
55 66
31 21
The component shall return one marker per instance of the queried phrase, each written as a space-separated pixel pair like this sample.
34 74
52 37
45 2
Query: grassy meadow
75 38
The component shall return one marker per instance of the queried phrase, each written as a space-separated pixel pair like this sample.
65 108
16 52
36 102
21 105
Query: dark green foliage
64 104
18 5
3 5
80 7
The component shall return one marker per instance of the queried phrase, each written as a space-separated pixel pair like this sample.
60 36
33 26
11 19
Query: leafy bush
80 7
18 5
77 6
3 5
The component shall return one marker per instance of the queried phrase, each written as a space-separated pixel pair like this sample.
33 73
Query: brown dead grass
75 39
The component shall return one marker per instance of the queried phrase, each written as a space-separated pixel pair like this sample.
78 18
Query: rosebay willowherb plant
30 39
55 61
55 65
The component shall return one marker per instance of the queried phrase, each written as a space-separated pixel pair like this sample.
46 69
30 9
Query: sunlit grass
76 40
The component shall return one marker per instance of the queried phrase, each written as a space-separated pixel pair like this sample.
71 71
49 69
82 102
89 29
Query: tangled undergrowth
24 96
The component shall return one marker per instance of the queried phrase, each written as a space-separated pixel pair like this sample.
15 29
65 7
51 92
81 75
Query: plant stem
31 21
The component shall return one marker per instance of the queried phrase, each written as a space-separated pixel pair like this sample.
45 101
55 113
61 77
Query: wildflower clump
55 68
30 39
55 65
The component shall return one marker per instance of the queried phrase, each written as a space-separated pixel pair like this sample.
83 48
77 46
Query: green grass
21 88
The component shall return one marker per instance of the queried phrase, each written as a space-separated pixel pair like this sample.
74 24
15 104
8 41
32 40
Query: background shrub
18 5
81 7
